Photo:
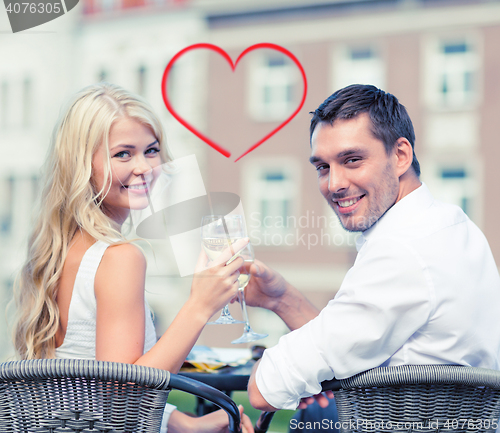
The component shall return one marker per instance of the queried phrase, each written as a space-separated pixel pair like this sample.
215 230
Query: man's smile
347 205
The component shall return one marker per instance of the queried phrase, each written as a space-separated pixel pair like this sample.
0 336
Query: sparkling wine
243 280
214 246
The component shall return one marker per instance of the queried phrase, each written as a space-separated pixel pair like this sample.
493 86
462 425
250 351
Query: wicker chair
87 396
417 398
420 398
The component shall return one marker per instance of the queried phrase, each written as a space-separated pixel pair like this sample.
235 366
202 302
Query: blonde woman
81 291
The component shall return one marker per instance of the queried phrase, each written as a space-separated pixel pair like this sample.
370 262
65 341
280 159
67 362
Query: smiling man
424 288
359 177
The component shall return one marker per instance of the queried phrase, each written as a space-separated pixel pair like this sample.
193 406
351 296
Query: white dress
79 341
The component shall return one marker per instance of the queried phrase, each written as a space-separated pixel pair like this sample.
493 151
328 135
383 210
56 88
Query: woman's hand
218 422
215 422
216 283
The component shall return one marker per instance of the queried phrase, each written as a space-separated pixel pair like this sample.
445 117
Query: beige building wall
490 141
449 138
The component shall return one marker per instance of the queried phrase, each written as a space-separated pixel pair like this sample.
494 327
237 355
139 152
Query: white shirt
424 289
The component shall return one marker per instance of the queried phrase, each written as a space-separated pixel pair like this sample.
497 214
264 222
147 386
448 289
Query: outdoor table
226 379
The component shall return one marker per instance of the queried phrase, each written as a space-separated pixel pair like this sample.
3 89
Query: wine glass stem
247 328
225 311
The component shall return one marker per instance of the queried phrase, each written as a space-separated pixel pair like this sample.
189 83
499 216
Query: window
27 103
452 73
274 203
15 110
358 64
126 4
102 75
108 5
271 200
6 204
35 186
8 284
457 177
273 91
89 7
456 187
174 83
4 105
141 80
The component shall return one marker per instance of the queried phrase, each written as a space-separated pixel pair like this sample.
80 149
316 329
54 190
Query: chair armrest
266 417
331 385
211 394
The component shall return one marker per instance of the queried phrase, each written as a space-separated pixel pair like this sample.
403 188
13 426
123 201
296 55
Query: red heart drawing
220 51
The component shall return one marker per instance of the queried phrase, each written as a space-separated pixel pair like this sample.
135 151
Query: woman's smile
135 165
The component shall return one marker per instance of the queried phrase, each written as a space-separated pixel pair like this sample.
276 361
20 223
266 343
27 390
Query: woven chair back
421 399
56 396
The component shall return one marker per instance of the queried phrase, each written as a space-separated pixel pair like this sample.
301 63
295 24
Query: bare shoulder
123 255
121 266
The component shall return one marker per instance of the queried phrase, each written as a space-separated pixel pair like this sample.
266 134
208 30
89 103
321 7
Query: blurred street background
441 58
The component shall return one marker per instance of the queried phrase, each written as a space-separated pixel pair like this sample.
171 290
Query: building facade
439 57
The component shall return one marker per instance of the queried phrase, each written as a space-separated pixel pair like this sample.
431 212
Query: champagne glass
219 232
248 334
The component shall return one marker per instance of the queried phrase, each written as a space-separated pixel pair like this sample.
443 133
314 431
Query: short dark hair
389 118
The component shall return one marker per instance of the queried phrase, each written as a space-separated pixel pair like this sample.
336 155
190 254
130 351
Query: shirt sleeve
384 299
169 408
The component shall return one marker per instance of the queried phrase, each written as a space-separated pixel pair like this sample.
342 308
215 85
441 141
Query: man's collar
400 214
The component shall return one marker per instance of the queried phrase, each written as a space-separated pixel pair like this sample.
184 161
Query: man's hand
268 289
322 399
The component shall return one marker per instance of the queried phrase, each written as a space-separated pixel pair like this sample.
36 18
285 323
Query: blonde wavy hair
71 202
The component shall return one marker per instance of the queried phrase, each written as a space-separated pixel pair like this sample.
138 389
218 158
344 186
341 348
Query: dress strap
92 258
84 282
